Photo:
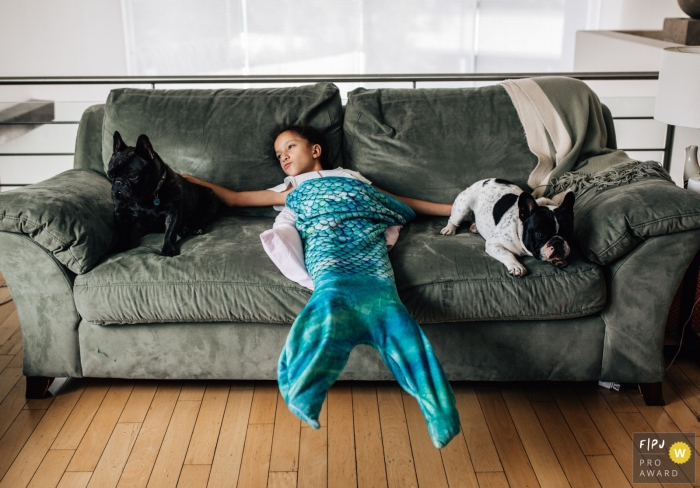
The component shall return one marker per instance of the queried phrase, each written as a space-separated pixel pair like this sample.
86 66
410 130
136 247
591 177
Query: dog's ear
526 205
118 142
568 203
144 148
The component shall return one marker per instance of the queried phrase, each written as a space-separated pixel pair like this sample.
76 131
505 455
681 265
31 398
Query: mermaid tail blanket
342 223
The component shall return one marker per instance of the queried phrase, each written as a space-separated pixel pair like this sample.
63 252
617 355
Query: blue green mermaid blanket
342 222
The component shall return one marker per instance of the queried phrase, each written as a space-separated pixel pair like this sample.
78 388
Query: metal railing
414 79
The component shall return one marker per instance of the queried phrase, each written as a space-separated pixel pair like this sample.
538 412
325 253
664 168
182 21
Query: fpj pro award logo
664 457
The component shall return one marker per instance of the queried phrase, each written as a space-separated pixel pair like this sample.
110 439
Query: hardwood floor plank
51 469
458 464
194 476
11 406
16 436
226 467
492 480
475 431
619 402
633 422
685 388
242 385
8 379
255 464
505 437
17 361
192 391
140 399
38 444
9 327
538 391
171 456
608 472
571 458
95 439
682 416
285 439
580 423
79 420
75 479
542 458
656 417
313 458
282 479
369 451
427 460
143 455
208 426
13 345
342 468
611 429
111 464
264 403
5 360
398 457
6 310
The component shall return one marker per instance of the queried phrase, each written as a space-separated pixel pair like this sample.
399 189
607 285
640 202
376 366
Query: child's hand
192 179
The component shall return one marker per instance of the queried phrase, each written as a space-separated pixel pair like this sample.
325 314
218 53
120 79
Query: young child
342 221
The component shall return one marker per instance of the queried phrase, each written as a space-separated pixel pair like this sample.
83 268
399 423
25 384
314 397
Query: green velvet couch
222 310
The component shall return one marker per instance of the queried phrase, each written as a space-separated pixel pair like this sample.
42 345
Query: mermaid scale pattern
342 222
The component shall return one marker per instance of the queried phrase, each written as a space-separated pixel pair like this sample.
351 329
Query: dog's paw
517 270
473 229
449 230
169 250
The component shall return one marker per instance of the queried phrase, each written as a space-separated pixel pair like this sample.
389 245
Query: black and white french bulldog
147 191
514 223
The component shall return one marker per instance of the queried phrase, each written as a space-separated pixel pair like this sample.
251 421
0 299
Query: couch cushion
433 143
450 279
223 136
71 215
223 275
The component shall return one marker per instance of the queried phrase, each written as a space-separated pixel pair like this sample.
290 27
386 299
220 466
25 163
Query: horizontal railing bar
37 154
339 78
643 150
632 117
54 122
15 184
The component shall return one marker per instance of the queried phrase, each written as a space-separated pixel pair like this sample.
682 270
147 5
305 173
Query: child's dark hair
313 136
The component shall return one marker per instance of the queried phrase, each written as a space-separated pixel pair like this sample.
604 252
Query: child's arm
422 206
230 198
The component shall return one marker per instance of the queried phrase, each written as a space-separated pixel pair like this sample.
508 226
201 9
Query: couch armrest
42 289
641 287
70 215
611 223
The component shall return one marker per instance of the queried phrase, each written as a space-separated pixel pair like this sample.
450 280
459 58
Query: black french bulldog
147 191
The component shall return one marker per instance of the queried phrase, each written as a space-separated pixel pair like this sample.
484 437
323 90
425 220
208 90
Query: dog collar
156 200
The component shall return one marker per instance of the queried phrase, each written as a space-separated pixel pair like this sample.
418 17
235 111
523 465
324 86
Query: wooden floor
236 433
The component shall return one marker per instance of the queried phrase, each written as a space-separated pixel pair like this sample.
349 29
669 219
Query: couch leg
37 387
652 394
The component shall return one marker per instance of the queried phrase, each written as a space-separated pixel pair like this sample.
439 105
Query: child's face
296 155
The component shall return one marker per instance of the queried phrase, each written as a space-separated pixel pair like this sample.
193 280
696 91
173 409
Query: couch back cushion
223 136
433 143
